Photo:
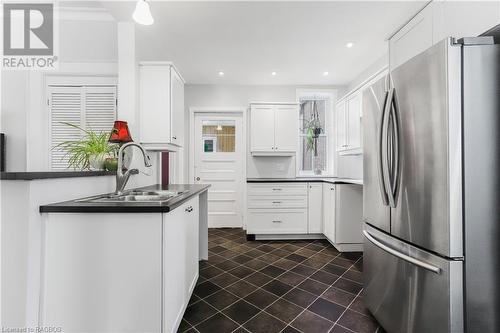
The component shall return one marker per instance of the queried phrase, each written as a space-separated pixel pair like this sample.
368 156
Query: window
315 134
218 136
90 107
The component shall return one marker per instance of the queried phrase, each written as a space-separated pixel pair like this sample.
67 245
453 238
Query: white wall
87 46
242 96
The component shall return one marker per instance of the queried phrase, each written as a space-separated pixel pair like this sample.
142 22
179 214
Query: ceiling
249 40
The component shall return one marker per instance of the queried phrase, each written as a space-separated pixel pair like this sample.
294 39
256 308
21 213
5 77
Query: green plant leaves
92 143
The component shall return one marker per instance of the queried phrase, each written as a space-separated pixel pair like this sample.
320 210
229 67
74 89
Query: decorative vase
317 165
96 161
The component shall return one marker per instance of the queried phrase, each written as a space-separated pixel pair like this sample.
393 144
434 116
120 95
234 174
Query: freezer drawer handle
400 255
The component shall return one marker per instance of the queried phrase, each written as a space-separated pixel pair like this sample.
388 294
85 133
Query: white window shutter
90 107
66 106
100 108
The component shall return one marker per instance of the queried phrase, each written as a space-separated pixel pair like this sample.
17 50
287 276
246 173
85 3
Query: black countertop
52 174
330 180
74 206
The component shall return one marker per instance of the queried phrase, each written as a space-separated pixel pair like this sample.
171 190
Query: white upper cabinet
177 107
354 120
348 117
285 128
439 20
273 129
340 109
413 38
161 111
262 128
464 18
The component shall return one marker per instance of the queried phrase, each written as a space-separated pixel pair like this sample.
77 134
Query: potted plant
313 130
90 152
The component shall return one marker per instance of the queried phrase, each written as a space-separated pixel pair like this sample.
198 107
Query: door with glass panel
218 160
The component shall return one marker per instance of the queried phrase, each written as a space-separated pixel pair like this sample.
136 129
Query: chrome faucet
122 177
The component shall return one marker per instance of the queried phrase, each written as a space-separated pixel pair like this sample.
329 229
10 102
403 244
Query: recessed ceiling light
221 73
349 45
274 73
325 73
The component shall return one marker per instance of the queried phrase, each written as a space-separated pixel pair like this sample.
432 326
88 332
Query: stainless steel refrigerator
431 191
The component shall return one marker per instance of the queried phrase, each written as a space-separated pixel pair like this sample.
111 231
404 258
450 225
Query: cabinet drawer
277 221
277 201
280 189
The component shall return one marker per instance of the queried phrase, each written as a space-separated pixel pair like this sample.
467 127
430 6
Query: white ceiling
249 40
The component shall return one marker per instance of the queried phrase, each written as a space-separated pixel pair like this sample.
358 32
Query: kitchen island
122 266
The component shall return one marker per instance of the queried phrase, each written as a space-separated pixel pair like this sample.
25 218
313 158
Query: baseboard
288 237
349 247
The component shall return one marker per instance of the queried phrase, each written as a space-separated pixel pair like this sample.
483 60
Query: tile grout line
320 251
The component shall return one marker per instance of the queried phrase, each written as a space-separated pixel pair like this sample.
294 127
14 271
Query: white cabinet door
177 105
413 38
315 208
464 18
354 121
174 263
329 211
262 128
192 212
154 89
286 121
340 110
102 273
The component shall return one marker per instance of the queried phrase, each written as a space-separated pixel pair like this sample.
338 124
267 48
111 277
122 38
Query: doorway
218 158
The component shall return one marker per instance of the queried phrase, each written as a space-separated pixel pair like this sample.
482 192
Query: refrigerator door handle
385 147
380 162
395 148
402 256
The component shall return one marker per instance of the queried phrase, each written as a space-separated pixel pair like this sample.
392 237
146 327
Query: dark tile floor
277 286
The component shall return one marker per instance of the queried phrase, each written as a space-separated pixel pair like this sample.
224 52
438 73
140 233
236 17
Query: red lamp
120 133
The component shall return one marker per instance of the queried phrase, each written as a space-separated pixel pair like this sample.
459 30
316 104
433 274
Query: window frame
330 95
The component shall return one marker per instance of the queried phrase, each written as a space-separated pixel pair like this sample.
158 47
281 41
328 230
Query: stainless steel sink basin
134 196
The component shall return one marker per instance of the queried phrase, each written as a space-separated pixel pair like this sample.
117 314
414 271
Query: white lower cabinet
180 261
119 272
315 208
329 211
296 208
277 221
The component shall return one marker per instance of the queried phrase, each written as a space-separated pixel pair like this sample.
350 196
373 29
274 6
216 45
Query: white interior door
218 160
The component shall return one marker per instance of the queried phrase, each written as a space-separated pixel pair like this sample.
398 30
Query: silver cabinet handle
400 255
380 157
174 137
277 202
395 147
385 147
277 189
277 221
189 209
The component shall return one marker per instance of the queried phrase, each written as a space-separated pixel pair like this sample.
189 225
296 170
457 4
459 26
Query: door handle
380 157
396 172
197 179
400 255
189 209
277 202
277 221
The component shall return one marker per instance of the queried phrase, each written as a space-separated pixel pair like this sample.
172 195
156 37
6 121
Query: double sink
134 196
